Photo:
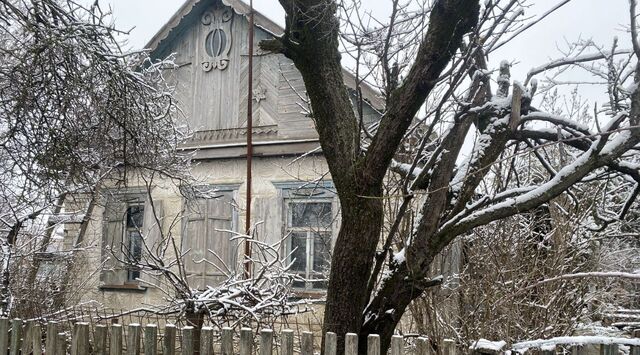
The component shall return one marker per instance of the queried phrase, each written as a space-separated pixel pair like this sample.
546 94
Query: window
309 224
129 224
133 241
309 228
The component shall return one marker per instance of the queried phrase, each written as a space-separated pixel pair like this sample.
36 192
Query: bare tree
261 299
441 84
75 111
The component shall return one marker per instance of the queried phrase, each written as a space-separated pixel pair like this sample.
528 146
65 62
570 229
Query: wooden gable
210 41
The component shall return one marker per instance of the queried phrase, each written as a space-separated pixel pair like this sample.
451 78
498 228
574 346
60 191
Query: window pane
133 274
298 284
299 243
321 257
135 215
311 214
135 246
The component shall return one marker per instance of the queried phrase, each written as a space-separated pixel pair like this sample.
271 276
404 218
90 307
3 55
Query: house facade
292 194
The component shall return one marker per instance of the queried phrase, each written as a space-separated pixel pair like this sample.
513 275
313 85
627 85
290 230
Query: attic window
217 39
216 42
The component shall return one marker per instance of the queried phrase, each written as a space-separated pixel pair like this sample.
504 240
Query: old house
209 39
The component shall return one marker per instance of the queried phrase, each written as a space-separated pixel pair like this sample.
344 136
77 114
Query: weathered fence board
227 341
287 342
36 339
151 339
4 335
115 341
206 341
100 337
169 342
133 339
51 338
18 337
187 340
80 339
266 342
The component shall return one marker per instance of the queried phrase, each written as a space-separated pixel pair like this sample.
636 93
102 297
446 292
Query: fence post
4 335
187 340
100 340
227 341
151 339
133 339
635 349
306 343
52 338
373 344
61 344
246 341
36 339
16 336
330 344
266 342
169 341
422 346
26 337
115 343
449 347
608 349
206 341
80 339
351 344
397 345
287 342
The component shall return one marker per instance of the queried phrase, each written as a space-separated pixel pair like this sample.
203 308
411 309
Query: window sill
135 288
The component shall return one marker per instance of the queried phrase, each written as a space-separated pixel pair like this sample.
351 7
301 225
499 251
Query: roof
173 26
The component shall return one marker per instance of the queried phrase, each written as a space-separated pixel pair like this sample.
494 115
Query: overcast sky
599 20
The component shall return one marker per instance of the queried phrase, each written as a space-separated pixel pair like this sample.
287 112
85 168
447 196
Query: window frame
128 197
299 192
127 241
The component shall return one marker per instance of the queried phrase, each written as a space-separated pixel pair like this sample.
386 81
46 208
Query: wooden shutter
206 221
151 232
218 239
113 272
193 241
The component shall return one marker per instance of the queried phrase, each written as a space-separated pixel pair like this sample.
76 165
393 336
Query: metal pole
247 244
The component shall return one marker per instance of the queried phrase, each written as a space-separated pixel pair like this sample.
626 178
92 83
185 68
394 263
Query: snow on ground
548 344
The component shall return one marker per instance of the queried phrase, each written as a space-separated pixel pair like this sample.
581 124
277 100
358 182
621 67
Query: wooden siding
214 102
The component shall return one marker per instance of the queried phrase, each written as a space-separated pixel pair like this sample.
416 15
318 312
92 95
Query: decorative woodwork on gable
218 38
231 135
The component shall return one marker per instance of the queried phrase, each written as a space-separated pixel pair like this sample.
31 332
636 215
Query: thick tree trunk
347 295
311 41
389 304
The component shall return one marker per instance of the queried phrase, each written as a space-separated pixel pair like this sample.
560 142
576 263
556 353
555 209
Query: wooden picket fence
18 337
